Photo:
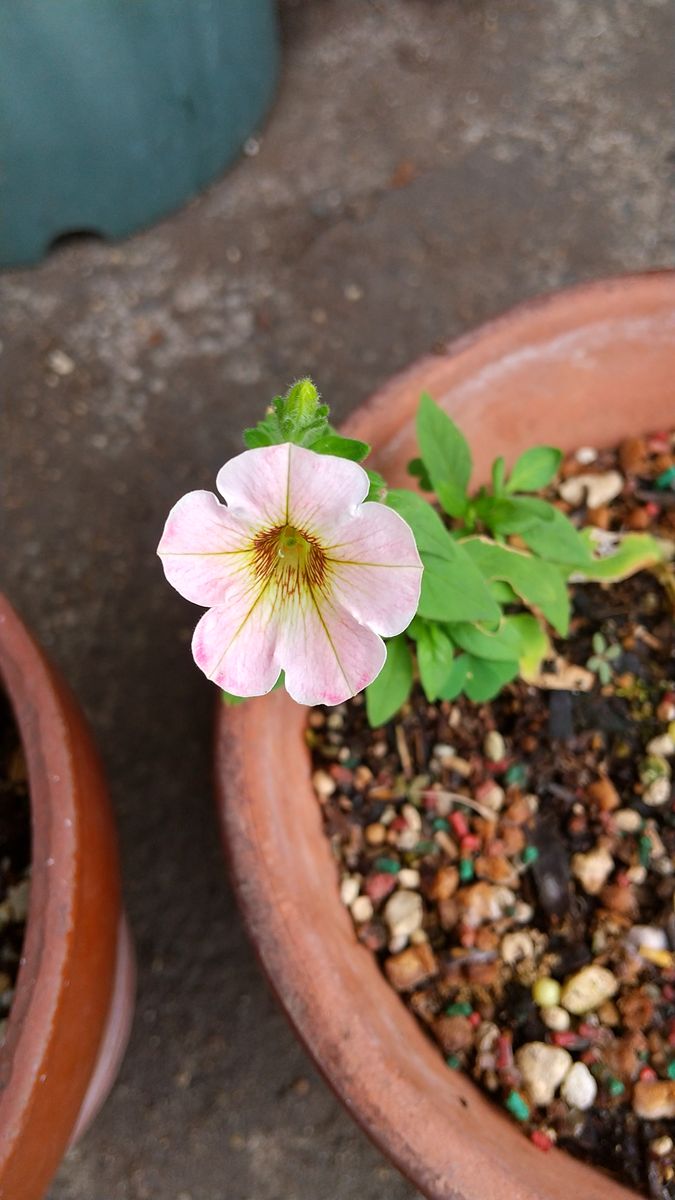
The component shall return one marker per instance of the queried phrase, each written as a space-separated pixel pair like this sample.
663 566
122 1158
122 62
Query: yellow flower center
291 558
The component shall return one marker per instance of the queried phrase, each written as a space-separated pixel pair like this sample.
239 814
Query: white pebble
595 489
593 869
324 784
658 792
587 989
636 874
403 913
362 909
349 889
579 1088
409 878
493 797
411 816
556 1018
649 936
494 746
398 943
586 455
627 820
543 1069
515 947
407 839
663 745
442 751
523 912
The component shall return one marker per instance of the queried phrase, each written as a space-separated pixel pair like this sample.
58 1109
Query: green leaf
512 516
535 644
253 438
498 475
635 552
453 590
534 469
417 469
430 533
446 455
378 486
502 593
341 447
538 583
558 540
503 645
391 688
455 681
485 678
435 653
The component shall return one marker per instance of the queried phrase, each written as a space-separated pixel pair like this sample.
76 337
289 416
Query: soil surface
512 863
14 856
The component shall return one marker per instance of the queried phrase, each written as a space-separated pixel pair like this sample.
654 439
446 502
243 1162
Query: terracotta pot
71 1015
588 366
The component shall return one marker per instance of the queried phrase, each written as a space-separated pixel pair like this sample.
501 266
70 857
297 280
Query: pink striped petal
288 485
376 569
235 644
323 490
326 655
202 546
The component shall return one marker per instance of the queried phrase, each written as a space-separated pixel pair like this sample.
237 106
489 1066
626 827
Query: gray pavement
428 163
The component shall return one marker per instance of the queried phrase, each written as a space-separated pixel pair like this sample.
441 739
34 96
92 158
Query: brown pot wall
587 366
71 1014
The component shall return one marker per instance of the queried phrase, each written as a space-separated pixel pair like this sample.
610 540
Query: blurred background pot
72 1009
588 366
114 112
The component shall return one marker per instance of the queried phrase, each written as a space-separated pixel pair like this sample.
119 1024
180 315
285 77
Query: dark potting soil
512 864
15 845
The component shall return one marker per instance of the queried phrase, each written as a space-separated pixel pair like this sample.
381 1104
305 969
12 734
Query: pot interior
587 367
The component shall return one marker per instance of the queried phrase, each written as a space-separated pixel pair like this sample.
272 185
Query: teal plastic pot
114 112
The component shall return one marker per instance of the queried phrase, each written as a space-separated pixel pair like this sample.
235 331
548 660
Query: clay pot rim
500 327
233 726
37 703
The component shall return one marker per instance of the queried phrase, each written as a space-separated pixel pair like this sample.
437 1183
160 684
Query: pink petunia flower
298 572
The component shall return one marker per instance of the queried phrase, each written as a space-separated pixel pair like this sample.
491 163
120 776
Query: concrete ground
427 164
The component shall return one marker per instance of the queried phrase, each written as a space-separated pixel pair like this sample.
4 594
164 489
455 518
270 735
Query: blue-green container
113 112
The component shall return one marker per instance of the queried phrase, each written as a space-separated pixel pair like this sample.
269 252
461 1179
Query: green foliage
539 585
452 588
485 678
632 552
487 607
534 469
417 469
299 417
391 688
603 658
446 456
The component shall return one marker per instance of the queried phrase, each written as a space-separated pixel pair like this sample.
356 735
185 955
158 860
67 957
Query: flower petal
326 655
255 484
288 485
323 490
235 644
202 544
376 572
